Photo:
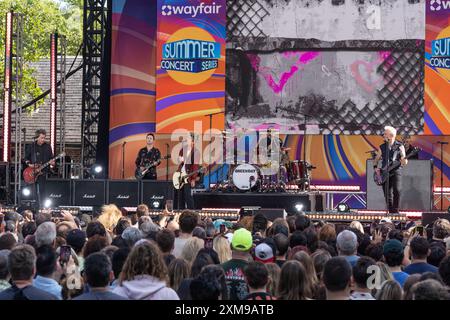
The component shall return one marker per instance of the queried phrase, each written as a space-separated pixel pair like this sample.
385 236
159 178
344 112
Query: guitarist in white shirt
189 164
390 151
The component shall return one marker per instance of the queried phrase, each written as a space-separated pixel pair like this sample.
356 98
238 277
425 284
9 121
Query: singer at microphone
150 157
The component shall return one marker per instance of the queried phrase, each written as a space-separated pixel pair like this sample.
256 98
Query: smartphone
169 205
209 243
419 229
64 254
222 228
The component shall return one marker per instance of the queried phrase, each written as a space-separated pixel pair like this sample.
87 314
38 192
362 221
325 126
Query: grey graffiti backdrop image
352 70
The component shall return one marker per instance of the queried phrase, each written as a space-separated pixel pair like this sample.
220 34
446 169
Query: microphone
442 142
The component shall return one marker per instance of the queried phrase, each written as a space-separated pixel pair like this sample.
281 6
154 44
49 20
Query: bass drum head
245 176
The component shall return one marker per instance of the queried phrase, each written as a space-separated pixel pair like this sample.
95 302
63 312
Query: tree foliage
40 19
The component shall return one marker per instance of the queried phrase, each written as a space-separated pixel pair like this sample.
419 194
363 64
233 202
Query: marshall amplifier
89 193
58 192
123 193
155 193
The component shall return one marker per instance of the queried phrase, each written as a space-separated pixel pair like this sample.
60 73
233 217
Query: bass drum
246 177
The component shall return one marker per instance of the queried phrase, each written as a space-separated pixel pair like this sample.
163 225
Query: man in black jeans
39 153
390 151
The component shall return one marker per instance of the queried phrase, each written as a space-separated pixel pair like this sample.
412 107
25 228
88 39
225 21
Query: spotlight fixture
298 207
156 204
96 171
343 207
26 192
47 203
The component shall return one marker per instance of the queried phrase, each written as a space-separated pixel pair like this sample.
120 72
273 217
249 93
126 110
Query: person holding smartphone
418 248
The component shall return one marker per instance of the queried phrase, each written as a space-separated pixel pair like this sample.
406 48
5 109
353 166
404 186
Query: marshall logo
121 196
157 197
55 195
89 196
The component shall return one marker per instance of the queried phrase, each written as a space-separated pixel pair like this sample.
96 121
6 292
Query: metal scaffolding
94 33
61 107
17 73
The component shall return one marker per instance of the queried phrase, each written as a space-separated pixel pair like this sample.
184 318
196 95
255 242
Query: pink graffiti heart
368 84
277 87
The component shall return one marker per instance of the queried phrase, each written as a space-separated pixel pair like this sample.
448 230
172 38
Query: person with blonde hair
222 246
144 275
109 217
391 150
191 249
355 224
390 290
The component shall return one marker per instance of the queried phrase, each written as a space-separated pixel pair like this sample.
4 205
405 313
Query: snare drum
245 176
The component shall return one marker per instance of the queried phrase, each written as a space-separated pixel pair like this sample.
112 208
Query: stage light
298 207
26 192
156 204
98 169
343 207
47 203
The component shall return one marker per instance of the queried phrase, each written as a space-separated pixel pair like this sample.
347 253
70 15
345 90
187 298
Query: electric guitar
384 172
30 175
139 174
181 178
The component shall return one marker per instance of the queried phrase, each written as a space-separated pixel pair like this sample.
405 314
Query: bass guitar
30 175
139 174
385 171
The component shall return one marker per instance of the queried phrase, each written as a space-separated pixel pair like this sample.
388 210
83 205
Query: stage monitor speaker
428 218
58 192
123 193
155 193
416 187
272 213
89 193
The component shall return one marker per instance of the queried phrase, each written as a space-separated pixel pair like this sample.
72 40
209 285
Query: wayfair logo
192 11
437 5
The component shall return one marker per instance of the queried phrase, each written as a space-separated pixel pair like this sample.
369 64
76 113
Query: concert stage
291 202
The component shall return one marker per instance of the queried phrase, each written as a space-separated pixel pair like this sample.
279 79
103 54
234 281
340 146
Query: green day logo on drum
440 53
190 55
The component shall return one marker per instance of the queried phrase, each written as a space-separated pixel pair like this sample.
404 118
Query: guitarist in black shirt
149 158
389 152
39 153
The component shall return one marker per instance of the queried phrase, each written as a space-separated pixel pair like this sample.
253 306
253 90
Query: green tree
41 18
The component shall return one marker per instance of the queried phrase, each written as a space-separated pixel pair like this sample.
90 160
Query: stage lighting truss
340 217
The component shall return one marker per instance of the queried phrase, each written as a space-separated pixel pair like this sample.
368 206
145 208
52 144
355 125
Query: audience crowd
120 255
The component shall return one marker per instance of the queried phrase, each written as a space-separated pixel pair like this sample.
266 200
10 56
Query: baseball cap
76 239
217 223
242 240
392 245
264 253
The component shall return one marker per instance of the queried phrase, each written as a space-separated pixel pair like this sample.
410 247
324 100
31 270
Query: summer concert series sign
190 63
437 67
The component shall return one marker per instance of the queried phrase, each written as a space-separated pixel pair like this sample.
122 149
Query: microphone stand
210 138
123 159
167 162
441 143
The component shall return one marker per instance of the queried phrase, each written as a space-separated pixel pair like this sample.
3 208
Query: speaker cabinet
416 187
58 192
123 193
89 192
428 218
155 193
271 214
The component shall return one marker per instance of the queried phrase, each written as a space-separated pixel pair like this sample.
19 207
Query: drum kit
274 176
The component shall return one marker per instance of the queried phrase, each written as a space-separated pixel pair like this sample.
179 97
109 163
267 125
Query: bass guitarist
38 153
148 155
391 150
